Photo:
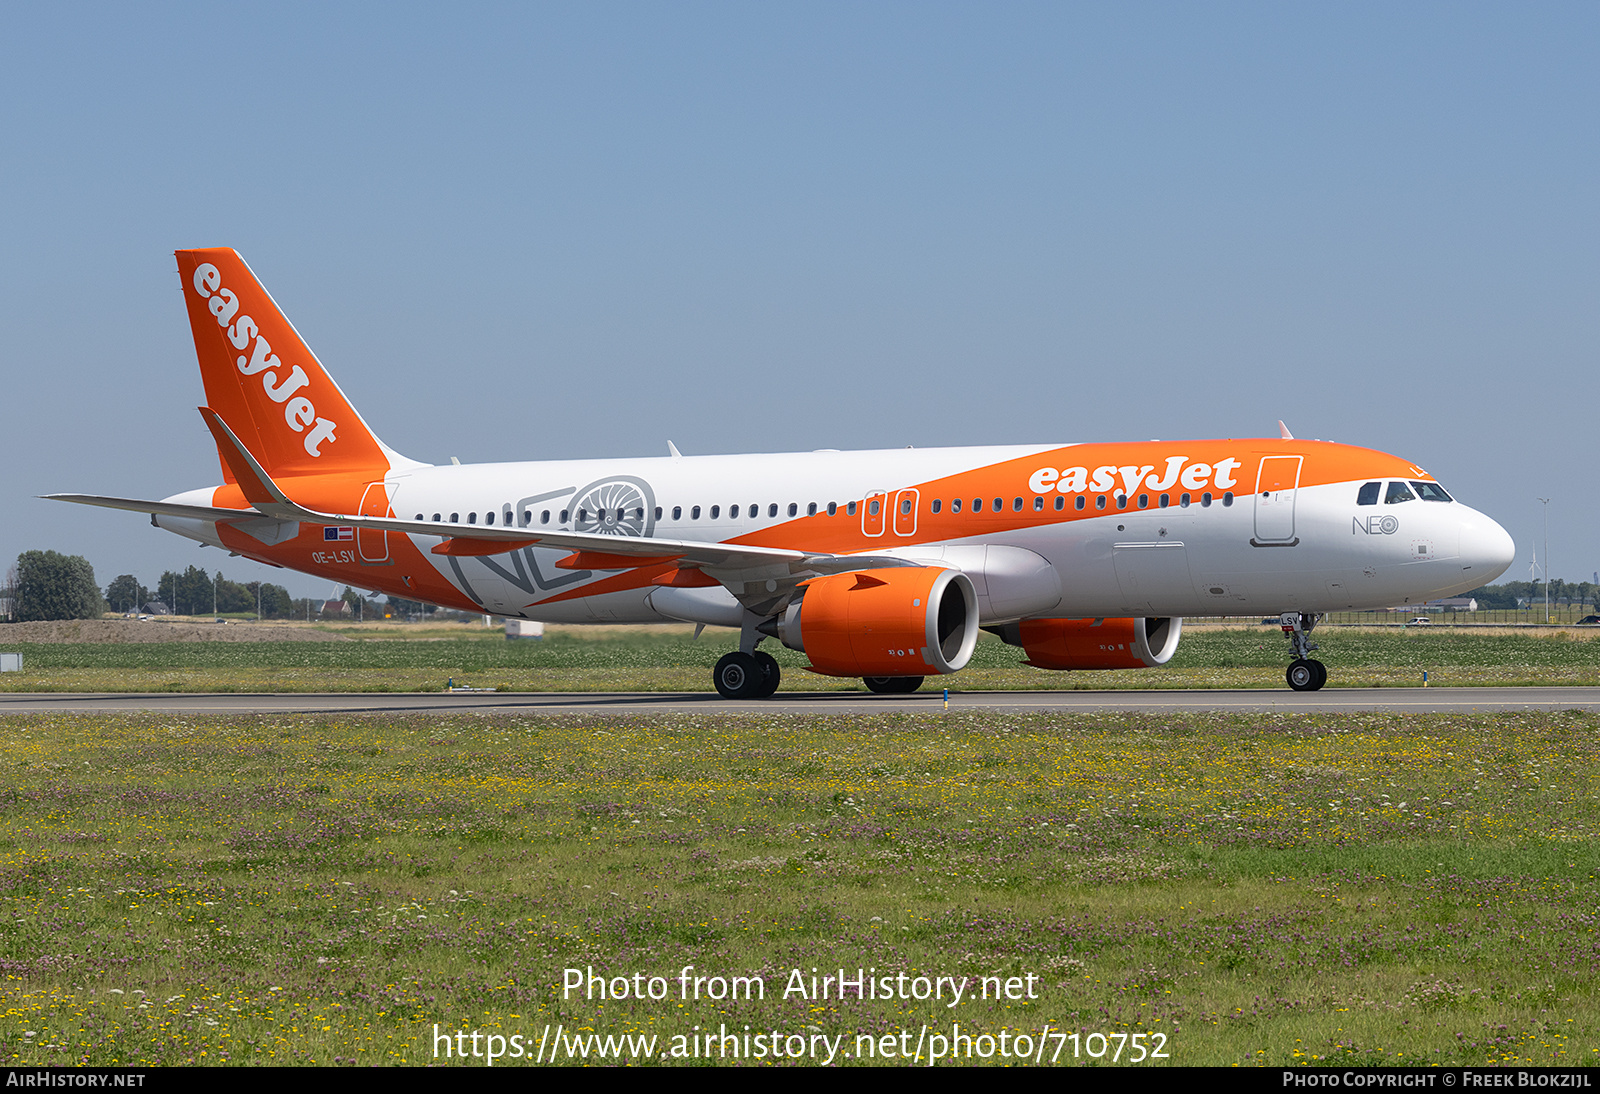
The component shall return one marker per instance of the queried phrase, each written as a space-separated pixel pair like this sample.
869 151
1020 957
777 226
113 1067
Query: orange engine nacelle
902 621
1095 643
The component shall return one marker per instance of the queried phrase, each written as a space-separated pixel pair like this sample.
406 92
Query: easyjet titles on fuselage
1178 470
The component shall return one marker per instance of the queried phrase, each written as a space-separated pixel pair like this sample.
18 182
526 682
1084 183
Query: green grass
1210 658
1268 889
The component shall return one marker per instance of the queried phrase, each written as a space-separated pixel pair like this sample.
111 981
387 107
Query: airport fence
1559 616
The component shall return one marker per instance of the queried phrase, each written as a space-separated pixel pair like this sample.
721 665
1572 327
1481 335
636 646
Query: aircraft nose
1486 547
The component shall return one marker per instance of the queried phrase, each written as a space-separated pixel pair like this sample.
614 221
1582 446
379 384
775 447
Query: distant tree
56 586
401 607
167 589
1495 597
188 593
125 594
233 596
274 600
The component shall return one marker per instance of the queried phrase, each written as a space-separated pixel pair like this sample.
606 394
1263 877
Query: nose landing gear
1304 674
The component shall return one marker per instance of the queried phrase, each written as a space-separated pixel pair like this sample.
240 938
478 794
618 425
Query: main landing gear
1304 674
747 675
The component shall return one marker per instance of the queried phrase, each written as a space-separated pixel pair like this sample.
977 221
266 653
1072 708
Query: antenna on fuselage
672 450
1283 431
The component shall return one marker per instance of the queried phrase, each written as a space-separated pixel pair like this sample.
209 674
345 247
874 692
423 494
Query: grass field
1358 889
656 660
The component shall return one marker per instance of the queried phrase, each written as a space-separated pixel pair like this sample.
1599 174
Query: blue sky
530 232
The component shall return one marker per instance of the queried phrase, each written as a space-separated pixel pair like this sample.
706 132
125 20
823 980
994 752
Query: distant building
1448 604
340 608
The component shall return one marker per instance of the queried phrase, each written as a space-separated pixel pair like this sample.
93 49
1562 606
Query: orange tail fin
265 382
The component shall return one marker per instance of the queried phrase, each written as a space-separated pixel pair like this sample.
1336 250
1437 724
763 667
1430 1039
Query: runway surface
1330 700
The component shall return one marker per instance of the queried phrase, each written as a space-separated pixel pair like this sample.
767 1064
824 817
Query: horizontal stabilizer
159 508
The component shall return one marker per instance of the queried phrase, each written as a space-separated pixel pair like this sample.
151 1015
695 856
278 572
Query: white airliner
882 565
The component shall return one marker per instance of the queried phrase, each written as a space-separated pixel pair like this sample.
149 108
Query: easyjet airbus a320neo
882 565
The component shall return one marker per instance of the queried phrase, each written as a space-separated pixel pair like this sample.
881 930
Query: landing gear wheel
1304 675
770 674
738 676
892 685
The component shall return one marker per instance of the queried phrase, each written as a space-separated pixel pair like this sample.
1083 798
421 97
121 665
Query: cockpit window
1398 492
1431 491
1369 494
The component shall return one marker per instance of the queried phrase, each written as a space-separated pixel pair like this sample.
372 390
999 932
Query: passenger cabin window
472 518
488 518
850 510
937 505
833 508
455 518
811 509
1431 491
694 513
544 517
977 505
772 510
794 508
436 516
1398 492
1061 503
715 509
677 512
1078 502
1368 494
